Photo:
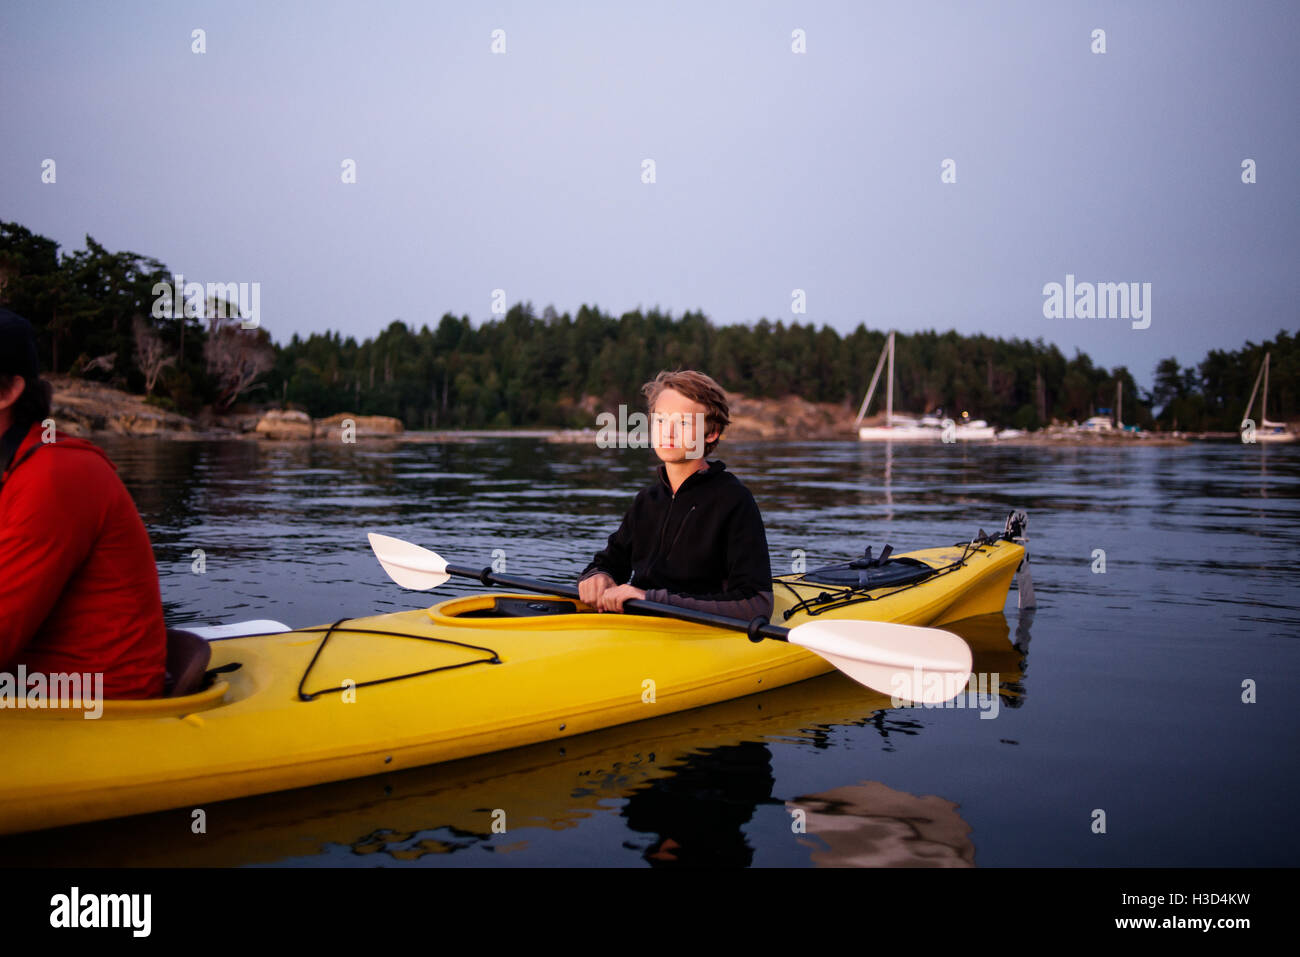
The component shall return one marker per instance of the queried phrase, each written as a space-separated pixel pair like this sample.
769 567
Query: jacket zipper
663 530
680 528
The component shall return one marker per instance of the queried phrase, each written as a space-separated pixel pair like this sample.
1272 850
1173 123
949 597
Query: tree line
96 315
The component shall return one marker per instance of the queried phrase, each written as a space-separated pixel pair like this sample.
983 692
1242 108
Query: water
1122 694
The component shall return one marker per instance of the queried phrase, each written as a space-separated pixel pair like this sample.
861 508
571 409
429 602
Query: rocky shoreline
86 408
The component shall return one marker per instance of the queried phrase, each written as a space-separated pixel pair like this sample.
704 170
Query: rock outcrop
289 424
363 426
789 417
81 407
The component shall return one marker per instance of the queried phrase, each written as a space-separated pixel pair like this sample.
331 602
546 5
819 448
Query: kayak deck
418 687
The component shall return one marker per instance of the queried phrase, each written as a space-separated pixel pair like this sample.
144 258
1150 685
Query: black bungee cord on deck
835 598
493 659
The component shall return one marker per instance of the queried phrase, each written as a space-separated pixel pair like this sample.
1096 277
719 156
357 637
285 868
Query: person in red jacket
78 584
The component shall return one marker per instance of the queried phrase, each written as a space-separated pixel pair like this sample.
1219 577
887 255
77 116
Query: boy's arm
745 609
615 559
749 572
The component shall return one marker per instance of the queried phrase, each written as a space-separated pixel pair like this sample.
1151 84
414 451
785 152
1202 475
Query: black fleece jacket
702 548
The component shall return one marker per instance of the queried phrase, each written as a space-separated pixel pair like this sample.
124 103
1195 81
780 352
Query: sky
524 168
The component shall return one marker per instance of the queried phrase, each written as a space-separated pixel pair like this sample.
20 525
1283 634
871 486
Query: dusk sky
774 170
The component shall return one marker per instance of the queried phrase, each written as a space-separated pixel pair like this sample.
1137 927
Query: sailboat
1265 431
906 428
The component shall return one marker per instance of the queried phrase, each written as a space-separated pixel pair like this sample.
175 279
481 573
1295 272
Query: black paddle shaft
756 629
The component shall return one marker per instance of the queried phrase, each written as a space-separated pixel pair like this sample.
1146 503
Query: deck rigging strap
493 659
838 597
834 598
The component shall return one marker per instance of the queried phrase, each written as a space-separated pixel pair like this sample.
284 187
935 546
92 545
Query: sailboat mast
889 400
1255 391
1263 399
875 378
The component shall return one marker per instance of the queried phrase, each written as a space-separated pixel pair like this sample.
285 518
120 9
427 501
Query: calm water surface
1122 693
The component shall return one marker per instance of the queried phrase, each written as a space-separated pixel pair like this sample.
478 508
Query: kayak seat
503 607
187 663
859 574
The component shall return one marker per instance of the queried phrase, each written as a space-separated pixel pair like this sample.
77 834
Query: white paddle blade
921 665
409 565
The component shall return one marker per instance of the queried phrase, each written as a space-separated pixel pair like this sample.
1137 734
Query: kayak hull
422 687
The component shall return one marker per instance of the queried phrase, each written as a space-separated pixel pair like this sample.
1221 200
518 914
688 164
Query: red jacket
78 583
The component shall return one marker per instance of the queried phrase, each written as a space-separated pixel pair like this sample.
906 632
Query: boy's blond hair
697 387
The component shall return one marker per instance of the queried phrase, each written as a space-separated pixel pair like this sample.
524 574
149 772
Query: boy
694 537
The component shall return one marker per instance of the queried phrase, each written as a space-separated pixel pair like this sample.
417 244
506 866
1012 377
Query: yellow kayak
549 786
468 676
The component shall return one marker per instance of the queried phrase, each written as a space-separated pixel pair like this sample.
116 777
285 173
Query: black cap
17 346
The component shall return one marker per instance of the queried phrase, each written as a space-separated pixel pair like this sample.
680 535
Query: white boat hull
921 433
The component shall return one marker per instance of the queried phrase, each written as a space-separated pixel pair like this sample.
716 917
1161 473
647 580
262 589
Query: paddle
924 665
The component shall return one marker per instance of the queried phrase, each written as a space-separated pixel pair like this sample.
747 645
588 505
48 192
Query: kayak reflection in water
694 537
78 584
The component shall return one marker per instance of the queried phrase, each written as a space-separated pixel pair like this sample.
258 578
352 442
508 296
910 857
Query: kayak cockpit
510 610
210 696
511 606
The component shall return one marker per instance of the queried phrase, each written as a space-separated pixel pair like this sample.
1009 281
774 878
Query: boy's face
677 427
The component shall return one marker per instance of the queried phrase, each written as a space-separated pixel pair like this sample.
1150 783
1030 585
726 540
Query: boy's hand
590 589
612 598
